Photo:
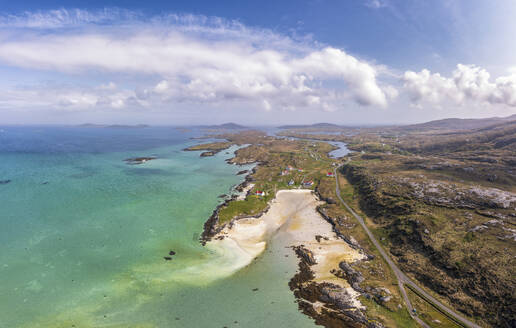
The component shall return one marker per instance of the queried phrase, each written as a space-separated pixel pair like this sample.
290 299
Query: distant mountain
226 126
304 126
455 124
112 126
120 126
90 125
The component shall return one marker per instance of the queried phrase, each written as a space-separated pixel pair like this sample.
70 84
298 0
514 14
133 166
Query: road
401 277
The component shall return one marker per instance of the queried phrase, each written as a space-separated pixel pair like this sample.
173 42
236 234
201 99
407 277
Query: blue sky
266 62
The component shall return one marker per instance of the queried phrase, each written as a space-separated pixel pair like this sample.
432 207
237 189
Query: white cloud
468 84
65 18
376 4
192 59
68 98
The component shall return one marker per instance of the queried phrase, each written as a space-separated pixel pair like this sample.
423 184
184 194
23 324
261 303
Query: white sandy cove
293 219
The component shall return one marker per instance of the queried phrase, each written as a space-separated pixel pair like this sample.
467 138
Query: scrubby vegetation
308 161
443 201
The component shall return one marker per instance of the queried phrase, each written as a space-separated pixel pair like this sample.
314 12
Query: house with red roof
308 183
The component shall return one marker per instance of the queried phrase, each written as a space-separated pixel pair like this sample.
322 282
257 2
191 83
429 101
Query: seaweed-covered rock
139 160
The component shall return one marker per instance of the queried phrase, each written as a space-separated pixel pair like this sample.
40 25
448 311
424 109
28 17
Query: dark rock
242 172
171 253
138 160
4 181
349 240
319 237
207 154
353 276
305 254
223 196
167 258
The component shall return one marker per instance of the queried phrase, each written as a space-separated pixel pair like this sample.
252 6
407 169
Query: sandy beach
292 220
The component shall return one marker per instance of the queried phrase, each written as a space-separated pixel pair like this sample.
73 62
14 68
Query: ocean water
83 235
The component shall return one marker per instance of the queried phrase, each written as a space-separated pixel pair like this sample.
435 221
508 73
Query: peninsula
343 278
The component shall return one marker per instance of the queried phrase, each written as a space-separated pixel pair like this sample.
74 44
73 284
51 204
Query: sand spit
293 221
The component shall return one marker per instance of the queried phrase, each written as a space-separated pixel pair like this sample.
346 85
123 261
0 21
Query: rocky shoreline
329 304
211 226
325 288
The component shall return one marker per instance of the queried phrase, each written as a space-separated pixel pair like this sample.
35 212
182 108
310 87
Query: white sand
293 219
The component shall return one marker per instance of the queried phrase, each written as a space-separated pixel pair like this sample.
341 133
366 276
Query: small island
210 149
139 160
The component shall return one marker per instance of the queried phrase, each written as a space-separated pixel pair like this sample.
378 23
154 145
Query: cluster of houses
305 183
289 169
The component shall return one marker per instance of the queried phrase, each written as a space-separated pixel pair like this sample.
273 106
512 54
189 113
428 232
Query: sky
256 62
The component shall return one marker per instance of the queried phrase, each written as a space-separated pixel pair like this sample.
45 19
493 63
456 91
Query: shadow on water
85 172
146 172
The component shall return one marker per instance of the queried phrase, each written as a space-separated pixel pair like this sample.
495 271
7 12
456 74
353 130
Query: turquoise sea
83 235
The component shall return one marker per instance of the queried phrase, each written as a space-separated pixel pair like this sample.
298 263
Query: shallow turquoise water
84 234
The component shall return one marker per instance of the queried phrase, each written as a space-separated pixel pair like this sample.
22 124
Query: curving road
401 277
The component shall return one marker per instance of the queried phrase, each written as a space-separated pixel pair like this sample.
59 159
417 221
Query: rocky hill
446 206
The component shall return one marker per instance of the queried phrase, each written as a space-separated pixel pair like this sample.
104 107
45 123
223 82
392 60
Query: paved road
401 277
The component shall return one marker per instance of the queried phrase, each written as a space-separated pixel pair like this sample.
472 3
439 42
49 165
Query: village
284 164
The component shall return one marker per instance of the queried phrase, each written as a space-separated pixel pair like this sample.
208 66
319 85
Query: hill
226 126
456 124
304 126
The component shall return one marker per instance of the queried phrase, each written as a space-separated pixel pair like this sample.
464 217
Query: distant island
225 126
303 126
112 126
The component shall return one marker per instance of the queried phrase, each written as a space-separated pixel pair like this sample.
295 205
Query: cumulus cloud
468 84
193 59
69 98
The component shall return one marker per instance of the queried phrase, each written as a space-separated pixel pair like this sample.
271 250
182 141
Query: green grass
397 318
252 205
268 178
428 313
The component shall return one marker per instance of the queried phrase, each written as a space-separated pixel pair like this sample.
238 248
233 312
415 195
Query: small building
330 174
289 168
300 170
284 172
308 183
260 193
291 182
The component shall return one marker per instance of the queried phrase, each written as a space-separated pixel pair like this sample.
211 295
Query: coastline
293 219
325 285
211 227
